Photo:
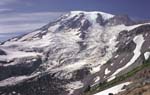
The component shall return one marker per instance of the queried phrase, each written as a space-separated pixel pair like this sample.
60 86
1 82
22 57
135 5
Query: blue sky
21 16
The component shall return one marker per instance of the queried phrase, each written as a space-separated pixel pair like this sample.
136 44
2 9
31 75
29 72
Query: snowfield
73 85
147 55
107 71
114 90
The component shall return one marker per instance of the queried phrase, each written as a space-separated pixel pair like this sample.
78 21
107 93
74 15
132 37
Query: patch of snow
96 79
111 78
95 69
107 71
30 35
54 28
13 92
116 56
14 39
12 54
34 59
129 28
115 90
122 60
146 34
147 55
73 86
112 64
15 80
12 81
72 67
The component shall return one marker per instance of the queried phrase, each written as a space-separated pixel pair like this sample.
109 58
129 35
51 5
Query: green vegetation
117 80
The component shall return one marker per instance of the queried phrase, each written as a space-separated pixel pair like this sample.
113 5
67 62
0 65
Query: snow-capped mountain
78 50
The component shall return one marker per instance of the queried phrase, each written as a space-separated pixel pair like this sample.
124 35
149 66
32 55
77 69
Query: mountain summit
77 51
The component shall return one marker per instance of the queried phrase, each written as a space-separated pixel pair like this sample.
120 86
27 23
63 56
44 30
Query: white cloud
25 22
3 36
17 23
5 10
40 16
20 27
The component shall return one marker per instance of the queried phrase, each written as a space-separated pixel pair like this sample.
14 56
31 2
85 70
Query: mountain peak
93 14
69 56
